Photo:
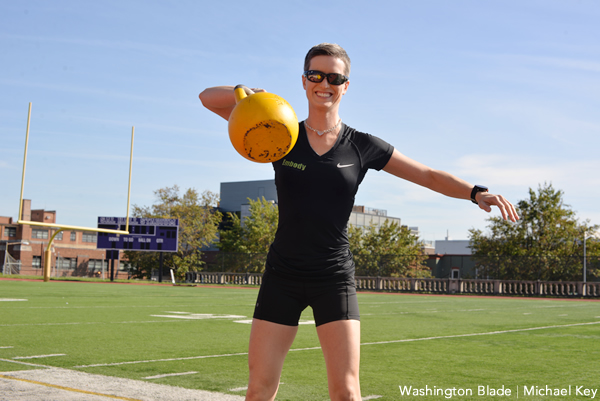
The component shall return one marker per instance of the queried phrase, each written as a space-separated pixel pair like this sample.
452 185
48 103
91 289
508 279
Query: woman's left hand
485 200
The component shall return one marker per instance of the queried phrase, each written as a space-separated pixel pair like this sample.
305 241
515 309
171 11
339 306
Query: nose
325 83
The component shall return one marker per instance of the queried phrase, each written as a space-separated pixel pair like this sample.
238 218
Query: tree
198 227
249 240
545 244
387 250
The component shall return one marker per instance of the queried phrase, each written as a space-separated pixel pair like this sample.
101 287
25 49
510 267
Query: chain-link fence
58 270
537 267
506 267
228 262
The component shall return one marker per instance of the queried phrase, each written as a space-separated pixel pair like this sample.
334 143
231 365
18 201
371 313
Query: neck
334 130
322 121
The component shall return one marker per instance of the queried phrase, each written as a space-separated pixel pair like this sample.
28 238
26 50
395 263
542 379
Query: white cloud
510 171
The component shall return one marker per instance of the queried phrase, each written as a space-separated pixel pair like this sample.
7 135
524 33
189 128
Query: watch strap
475 190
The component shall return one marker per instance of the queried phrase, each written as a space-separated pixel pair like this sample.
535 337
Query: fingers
246 89
507 209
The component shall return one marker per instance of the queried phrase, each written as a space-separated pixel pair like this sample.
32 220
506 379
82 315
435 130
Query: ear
304 82
346 84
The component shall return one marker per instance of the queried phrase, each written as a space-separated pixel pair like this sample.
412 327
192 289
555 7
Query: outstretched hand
507 209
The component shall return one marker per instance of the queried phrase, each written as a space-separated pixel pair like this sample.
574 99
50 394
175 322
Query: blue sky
501 93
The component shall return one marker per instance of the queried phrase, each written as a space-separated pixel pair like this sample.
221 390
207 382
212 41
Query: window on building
66 263
59 236
40 234
10 231
96 264
88 237
73 236
36 262
125 266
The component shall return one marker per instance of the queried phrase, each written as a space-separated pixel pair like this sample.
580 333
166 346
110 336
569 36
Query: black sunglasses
319 76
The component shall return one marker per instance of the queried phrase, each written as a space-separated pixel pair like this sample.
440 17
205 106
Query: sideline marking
76 323
68 388
169 375
198 316
371 397
159 360
425 311
237 389
37 356
7 346
36 365
249 321
480 334
11 299
316 348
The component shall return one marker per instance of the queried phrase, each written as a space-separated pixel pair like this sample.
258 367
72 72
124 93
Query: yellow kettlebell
263 127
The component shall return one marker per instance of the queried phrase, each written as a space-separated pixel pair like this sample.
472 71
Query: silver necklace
321 133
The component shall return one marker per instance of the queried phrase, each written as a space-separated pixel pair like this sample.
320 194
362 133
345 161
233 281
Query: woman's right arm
221 99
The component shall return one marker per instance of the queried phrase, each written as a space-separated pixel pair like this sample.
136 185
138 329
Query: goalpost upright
61 227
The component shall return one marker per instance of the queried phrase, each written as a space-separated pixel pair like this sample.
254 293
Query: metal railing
575 289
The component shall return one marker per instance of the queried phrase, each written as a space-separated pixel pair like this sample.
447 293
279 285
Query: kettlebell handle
242 91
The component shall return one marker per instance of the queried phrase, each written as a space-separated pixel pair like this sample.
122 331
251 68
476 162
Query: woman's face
323 94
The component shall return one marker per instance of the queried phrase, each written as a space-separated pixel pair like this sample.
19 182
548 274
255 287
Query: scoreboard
145 234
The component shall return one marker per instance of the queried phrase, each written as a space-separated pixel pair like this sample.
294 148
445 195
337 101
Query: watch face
477 188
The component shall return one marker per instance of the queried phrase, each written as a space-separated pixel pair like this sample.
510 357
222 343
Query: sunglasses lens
332 78
315 76
336 79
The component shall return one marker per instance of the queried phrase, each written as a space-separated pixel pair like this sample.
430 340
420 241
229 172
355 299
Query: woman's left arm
446 184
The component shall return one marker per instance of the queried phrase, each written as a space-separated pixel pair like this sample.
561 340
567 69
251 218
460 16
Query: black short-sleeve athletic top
316 195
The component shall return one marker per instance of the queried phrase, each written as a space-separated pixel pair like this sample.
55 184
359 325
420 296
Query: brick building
74 253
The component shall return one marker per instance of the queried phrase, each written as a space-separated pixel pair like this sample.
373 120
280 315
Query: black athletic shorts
282 301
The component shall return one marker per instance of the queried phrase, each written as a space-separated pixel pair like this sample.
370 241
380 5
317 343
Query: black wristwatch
477 188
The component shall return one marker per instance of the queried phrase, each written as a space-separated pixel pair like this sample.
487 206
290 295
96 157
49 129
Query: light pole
6 252
585 256
58 264
585 238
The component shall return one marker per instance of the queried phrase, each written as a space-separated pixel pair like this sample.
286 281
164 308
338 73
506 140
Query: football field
70 336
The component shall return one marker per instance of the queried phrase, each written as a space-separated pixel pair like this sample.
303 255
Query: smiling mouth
323 94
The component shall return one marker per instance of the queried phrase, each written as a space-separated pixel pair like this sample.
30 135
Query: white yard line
480 334
159 360
37 356
425 311
169 375
76 323
37 365
370 343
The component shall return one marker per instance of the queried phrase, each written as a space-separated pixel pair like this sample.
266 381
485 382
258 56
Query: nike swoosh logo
344 165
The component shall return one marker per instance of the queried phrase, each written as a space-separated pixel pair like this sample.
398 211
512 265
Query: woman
309 262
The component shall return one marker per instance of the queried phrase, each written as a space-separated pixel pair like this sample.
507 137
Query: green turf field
435 343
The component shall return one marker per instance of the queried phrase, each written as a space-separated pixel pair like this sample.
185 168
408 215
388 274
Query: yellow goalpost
61 227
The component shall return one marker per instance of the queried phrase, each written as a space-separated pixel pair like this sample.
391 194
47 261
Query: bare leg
269 344
340 341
